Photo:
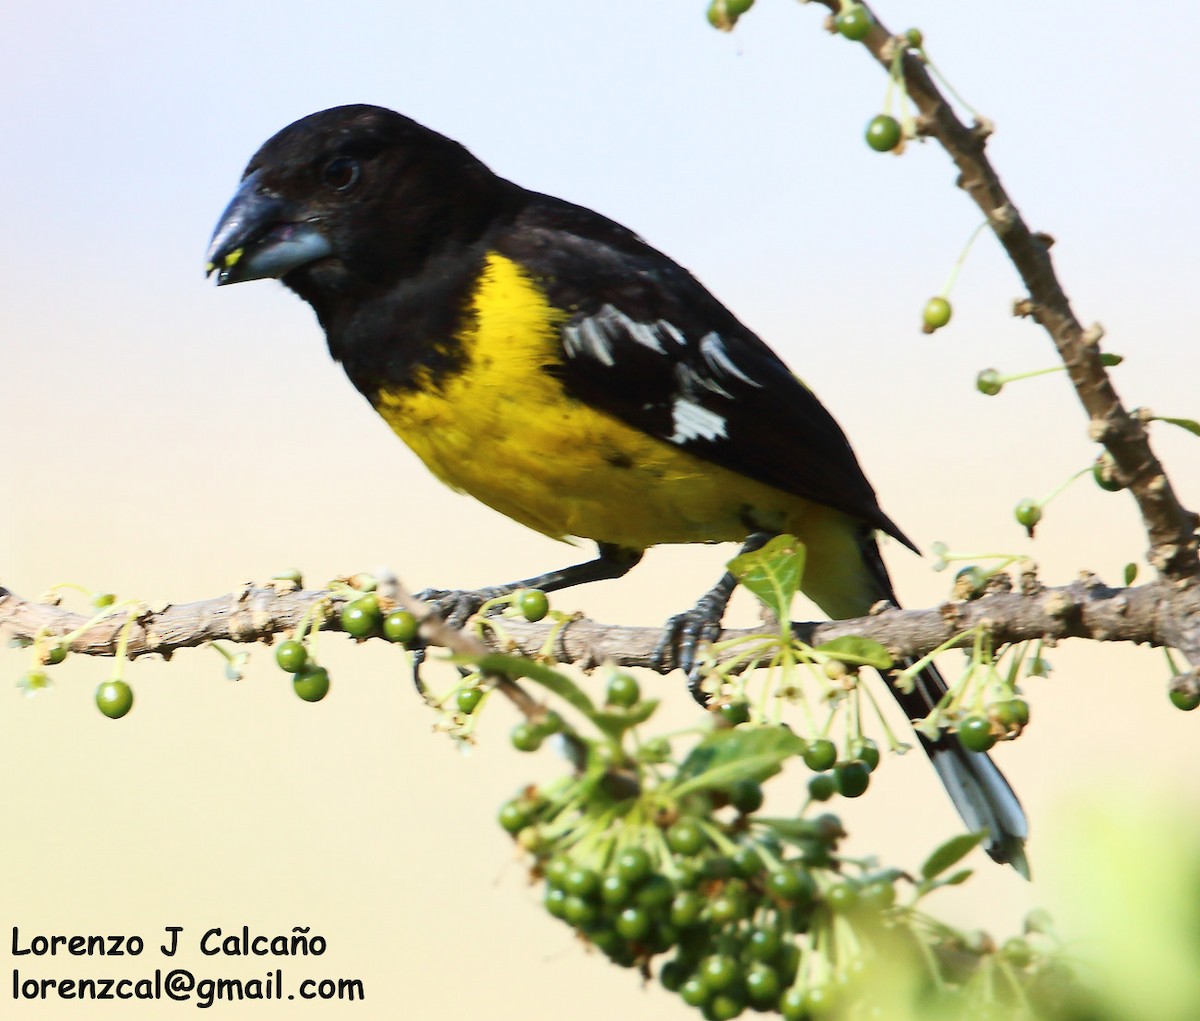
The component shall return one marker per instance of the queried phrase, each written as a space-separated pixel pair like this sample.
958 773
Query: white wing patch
693 422
594 335
588 337
712 350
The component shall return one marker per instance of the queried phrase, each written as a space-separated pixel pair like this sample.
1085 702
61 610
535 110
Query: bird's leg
455 606
702 623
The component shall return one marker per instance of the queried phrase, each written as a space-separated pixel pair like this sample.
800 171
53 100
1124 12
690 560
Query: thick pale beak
260 235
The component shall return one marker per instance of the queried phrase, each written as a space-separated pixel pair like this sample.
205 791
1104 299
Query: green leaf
1184 423
958 878
1110 360
951 853
1131 572
773 574
744 753
520 666
858 651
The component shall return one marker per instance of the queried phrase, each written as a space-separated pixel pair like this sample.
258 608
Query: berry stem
958 263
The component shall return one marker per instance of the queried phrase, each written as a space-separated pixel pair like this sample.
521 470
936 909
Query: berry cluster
747 912
362 617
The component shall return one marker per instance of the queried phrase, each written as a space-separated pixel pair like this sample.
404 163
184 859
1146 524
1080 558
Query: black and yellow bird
549 362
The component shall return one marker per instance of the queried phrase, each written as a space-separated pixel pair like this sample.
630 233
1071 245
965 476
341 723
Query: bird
548 361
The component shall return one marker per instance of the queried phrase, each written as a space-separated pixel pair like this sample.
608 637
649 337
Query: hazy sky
169 440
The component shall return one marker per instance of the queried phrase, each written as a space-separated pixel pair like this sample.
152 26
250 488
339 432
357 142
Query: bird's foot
683 635
453 606
456 606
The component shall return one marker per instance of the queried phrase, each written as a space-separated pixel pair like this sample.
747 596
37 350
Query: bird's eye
341 173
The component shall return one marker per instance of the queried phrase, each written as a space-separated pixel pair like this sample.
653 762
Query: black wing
647 343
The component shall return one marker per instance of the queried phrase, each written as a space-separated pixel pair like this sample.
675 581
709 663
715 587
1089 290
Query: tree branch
1170 527
1159 613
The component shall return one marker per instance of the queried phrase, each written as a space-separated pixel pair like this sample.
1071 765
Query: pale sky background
169 441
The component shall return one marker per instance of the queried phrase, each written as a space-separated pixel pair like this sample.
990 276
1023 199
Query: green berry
763 945
579 911
694 991
360 618
915 38
723 14
735 713
842 898
793 1004
467 700
719 971
854 22
291 574
975 734
865 751
820 754
792 884
633 865
822 787
614 890
556 869
883 133
687 908
747 862
1010 713
936 314
291 656
514 815
725 1006
633 923
746 796
726 907
655 893
54 655
762 984
623 691
526 737
311 683
581 881
1185 700
555 901
533 603
989 382
686 837
102 600
853 778
400 626
114 698
1028 513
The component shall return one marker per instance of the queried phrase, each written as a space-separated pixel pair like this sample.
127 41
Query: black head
351 200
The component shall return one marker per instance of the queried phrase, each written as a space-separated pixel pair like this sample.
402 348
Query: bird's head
349 198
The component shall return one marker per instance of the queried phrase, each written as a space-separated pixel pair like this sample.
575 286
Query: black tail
978 789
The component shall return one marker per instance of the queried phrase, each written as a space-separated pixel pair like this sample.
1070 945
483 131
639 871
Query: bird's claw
454 606
682 636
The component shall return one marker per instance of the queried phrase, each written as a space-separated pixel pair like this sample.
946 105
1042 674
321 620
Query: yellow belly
503 430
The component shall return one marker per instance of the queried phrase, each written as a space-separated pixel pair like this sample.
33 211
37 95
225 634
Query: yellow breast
503 430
